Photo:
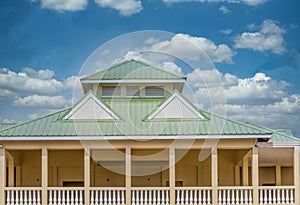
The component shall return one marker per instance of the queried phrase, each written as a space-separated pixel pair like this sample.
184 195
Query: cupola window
154 91
111 91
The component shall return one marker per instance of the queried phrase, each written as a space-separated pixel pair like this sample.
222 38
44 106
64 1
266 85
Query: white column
296 174
44 175
128 175
172 179
87 162
11 170
2 175
255 175
214 175
245 171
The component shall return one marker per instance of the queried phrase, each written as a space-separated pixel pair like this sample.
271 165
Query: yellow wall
65 166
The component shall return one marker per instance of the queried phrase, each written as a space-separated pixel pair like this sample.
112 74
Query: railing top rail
150 188
235 187
22 188
276 187
193 188
108 188
65 188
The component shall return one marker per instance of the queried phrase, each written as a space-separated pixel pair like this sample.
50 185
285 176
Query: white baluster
25 197
109 197
282 196
114 197
265 197
232 197
246 196
261 196
200 196
278 196
122 197
250 197
220 197
52 200
158 197
50 197
34 198
76 197
292 196
228 196
133 198
206 197
242 197
167 197
38 198
237 198
224 196
154 197
21 197
12 197
287 198
274 196
137 201
17 197
270 196
146 197
72 197
100 197
195 197
142 197
150 197
58 197
68 197
8 197
63 197
162 197
182 197
118 197
80 198
191 197
105 197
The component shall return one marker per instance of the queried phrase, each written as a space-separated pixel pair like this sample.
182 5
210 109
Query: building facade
135 139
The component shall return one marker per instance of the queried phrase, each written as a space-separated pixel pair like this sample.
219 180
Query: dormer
133 79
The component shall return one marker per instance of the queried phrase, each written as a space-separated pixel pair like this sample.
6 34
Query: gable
91 108
176 107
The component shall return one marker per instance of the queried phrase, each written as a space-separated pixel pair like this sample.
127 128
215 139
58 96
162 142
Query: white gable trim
179 98
136 81
96 100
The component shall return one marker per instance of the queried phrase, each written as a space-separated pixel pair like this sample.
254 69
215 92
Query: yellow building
134 138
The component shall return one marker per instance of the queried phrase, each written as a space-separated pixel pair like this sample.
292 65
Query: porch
132 175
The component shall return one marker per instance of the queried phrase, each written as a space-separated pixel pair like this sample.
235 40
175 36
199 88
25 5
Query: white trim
133 137
178 97
136 81
277 144
90 95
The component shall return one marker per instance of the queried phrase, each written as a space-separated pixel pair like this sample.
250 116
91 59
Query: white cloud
40 74
125 7
192 48
42 101
226 31
63 5
172 67
248 2
269 37
224 10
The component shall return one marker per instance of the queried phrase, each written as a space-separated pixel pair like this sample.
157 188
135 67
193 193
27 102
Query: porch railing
235 195
23 195
193 195
150 195
107 196
65 195
276 195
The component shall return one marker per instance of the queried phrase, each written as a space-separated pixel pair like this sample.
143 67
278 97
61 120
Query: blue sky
253 44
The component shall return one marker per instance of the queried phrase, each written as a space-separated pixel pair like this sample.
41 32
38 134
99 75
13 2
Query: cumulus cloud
172 67
63 5
193 48
268 38
248 2
124 7
42 101
224 10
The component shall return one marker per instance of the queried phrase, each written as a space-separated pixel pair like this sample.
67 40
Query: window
132 91
154 91
110 91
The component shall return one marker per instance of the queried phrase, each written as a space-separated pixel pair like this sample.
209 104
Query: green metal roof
133 69
6 125
133 121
